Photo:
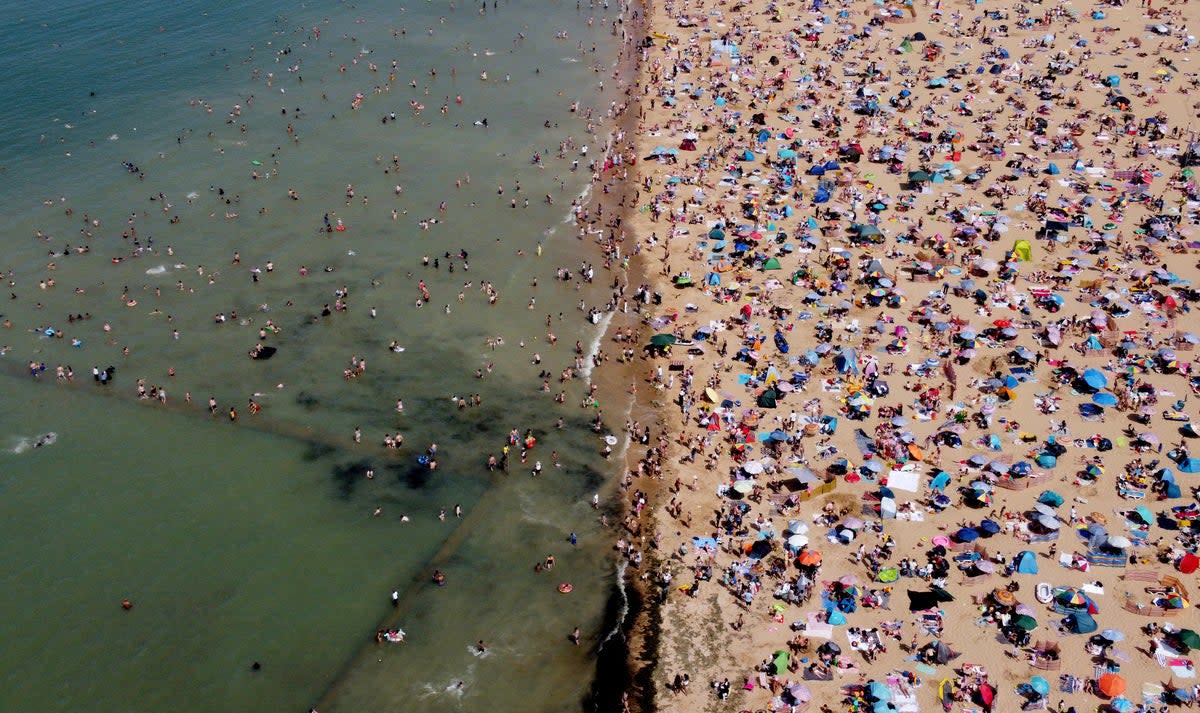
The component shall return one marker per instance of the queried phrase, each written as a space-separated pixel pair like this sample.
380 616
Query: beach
918 385
684 356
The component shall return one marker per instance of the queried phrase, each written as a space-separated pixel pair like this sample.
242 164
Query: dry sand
791 80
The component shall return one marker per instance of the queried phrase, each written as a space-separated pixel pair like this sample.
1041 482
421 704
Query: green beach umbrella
1025 622
663 340
1189 638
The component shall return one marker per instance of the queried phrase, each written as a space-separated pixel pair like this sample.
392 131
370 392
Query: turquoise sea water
256 540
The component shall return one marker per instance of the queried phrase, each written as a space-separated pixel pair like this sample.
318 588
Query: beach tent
768 398
907 480
919 601
941 653
940 481
772 264
1053 169
1025 563
1081 623
1022 250
847 361
780 662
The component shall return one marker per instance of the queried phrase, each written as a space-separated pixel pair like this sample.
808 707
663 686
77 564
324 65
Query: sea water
257 541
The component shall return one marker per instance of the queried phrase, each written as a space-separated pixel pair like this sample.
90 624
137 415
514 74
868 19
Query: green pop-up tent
780 661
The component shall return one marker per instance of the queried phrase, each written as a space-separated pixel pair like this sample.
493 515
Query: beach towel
816 627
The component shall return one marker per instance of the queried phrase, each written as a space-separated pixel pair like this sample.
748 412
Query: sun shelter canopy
906 480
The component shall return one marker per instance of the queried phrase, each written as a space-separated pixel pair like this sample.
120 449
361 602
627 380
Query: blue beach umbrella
1095 379
1104 398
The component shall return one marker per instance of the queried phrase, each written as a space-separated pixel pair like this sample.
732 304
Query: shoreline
726 631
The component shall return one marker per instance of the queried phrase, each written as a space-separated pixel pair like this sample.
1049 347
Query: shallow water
255 541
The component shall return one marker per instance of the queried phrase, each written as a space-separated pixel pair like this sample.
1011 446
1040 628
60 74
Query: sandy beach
914 359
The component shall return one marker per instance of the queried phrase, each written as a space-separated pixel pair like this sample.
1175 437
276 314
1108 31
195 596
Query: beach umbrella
1040 686
800 693
797 541
753 467
852 523
1071 597
985 566
1044 509
1119 542
1111 685
1025 622
1188 638
1050 523
1113 635
1095 379
663 340
809 558
745 487
989 527
1103 398
967 534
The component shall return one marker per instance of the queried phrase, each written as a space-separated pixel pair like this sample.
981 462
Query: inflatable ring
565 588
131 303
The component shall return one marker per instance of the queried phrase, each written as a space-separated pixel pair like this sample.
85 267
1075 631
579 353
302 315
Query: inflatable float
566 588
1044 592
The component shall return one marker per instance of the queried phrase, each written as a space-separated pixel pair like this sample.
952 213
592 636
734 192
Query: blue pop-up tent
846 362
1025 563
940 481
